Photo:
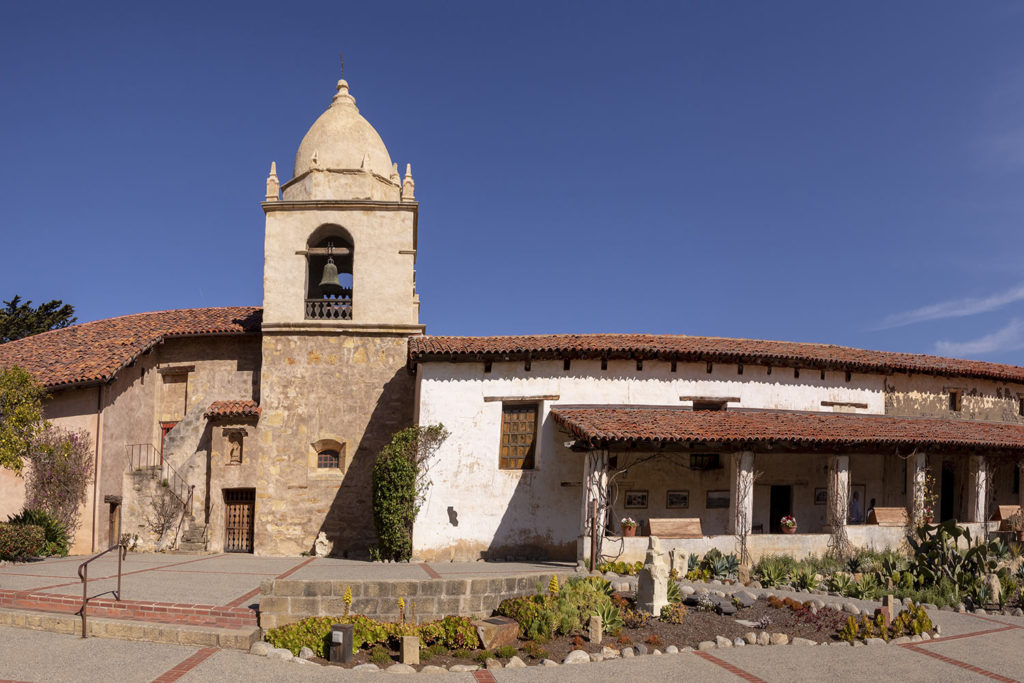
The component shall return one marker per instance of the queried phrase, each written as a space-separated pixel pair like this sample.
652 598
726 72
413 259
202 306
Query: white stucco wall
536 513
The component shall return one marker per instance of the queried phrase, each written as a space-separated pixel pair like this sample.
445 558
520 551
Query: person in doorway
856 515
871 506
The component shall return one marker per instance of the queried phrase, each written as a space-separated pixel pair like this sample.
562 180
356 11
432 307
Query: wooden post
593 535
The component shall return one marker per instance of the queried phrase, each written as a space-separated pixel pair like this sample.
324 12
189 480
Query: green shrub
314 633
774 570
535 651
565 613
673 614
19 541
379 655
57 539
505 652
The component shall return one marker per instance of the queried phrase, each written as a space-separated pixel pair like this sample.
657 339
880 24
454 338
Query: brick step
183 634
134 610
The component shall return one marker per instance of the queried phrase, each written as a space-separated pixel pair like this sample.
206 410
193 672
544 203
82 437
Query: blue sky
850 174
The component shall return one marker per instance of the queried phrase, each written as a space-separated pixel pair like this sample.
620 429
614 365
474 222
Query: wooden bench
888 517
1003 513
675 527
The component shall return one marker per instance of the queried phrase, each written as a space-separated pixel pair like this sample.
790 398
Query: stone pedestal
652 585
594 630
410 650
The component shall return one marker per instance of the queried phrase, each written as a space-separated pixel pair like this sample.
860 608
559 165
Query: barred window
518 436
328 459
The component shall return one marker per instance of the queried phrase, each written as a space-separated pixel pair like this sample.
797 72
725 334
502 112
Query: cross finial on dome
342 96
341 57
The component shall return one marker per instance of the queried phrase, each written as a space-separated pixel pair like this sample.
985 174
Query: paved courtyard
972 647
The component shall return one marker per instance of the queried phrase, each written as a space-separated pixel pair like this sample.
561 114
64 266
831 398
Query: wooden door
239 505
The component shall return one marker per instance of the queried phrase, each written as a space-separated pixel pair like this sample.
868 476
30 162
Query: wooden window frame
520 460
328 459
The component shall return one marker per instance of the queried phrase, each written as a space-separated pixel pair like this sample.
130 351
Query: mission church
254 429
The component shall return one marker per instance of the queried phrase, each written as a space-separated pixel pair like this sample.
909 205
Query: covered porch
702 479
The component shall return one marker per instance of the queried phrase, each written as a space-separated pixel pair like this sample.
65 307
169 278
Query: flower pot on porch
1020 535
789 529
629 531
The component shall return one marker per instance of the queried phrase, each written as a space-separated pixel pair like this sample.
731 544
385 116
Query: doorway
780 504
948 486
239 509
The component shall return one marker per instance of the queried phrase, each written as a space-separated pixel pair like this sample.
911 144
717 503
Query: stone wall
347 387
285 601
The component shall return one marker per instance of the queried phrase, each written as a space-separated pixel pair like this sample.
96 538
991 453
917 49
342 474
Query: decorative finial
408 186
273 186
365 165
314 160
343 96
395 178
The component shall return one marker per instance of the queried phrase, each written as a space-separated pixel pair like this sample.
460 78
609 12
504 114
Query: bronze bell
329 285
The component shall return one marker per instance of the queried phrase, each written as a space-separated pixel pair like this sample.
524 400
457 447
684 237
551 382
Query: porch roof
601 427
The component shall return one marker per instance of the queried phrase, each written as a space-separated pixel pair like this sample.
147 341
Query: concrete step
123 629
189 547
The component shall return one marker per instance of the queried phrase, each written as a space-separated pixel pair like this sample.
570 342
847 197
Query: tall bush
21 415
57 480
400 483
18 541
58 541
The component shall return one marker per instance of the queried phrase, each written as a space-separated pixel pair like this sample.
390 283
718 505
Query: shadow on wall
349 520
528 527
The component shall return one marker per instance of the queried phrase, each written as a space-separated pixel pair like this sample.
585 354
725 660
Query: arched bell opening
329 259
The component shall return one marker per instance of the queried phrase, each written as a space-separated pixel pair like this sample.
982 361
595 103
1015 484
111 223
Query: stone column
838 490
1020 480
595 488
916 470
741 500
977 489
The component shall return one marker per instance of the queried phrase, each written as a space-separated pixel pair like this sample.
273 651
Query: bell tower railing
336 308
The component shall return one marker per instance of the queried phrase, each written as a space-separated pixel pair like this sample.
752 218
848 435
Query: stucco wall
537 512
927 395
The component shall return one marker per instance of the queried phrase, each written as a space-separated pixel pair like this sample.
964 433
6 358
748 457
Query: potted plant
788 524
628 525
1015 523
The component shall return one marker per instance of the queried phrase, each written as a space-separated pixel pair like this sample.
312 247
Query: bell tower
339 304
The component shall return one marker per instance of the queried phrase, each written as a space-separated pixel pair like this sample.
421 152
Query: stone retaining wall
285 601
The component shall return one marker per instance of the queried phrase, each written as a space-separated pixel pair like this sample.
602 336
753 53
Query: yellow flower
401 603
553 586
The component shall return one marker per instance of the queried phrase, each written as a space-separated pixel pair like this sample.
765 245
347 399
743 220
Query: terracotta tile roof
94 352
687 348
219 409
600 426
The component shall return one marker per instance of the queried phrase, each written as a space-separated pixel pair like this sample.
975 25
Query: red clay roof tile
601 426
220 409
93 352
687 348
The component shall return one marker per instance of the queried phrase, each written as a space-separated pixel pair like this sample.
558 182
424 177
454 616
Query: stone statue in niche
234 446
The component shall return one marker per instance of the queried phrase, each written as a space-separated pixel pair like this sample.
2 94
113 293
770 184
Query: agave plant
771 574
805 579
840 583
674 595
732 562
855 564
611 617
692 562
719 567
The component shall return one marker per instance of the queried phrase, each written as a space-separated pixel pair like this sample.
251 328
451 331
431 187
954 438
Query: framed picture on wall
677 499
717 499
636 500
820 496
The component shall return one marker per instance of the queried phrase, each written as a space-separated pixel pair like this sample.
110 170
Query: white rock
432 669
400 669
803 641
260 648
739 642
515 663
705 645
926 636
609 652
492 663
722 642
778 639
628 652
306 653
751 638
543 662
686 590
763 638
280 653
368 667
851 608
596 657
576 657
459 668
671 650
874 641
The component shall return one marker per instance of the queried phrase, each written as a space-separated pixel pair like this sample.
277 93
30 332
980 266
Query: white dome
341 139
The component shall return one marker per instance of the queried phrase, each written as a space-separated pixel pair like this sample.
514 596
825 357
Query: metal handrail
83 574
150 454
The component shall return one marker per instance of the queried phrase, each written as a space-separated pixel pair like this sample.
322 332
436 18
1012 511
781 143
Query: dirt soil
696 627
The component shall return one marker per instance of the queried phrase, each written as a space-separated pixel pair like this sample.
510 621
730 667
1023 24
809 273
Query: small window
1020 406
328 459
955 400
709 405
518 436
1016 479
704 461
